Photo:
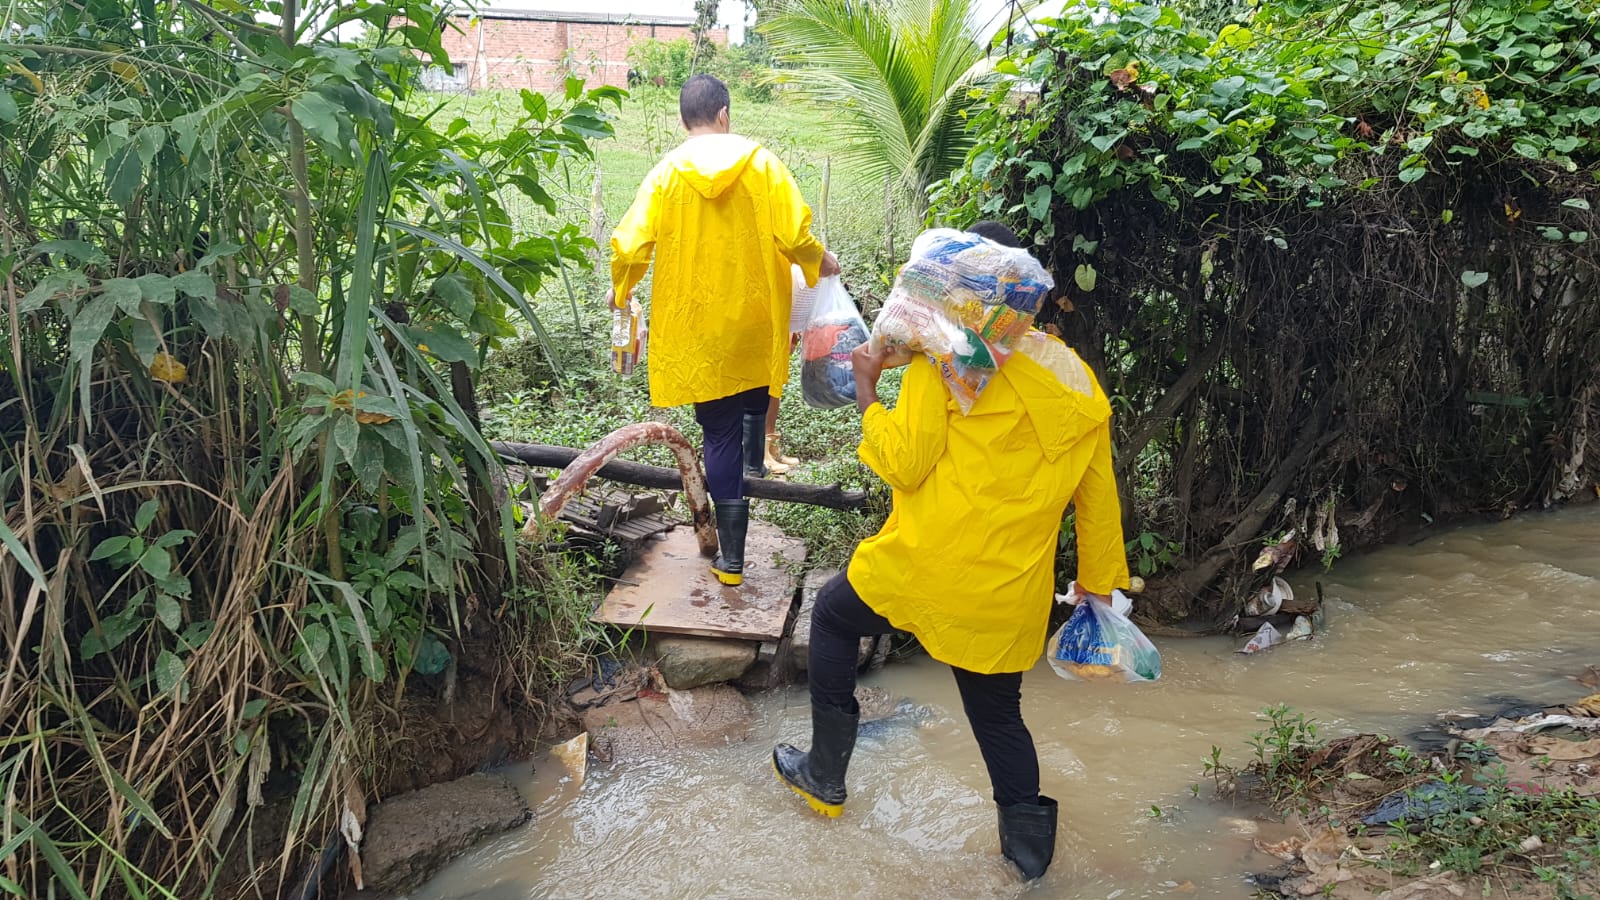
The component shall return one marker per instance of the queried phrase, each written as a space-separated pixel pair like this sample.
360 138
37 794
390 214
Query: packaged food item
1100 642
627 335
965 302
835 330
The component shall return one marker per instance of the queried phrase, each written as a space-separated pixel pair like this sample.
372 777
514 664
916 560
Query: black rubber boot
1028 835
755 446
733 520
818 776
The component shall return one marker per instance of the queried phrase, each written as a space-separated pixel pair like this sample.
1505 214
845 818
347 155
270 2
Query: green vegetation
900 76
1329 257
1483 823
249 283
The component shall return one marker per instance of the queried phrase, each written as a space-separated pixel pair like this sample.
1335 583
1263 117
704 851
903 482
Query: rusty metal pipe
606 449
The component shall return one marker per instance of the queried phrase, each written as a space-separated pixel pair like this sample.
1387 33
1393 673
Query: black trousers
993 703
722 421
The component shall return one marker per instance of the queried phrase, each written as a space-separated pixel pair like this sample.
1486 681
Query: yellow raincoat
966 561
724 219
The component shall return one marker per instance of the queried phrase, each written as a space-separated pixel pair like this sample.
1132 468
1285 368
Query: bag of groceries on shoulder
1101 643
965 302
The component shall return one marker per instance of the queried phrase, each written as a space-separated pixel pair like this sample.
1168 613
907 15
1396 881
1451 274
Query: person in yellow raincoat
966 560
724 221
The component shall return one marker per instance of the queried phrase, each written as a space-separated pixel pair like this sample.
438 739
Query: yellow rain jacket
724 219
966 561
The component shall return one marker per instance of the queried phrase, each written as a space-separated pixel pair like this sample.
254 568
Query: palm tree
898 72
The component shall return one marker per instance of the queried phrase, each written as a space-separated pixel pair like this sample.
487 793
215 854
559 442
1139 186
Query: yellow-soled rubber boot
733 521
818 776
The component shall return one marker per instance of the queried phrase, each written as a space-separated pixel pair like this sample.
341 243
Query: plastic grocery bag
1100 642
836 329
965 302
802 300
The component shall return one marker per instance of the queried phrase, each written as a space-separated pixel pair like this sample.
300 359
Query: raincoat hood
712 163
1057 392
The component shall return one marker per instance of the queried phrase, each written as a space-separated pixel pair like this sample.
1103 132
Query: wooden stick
547 455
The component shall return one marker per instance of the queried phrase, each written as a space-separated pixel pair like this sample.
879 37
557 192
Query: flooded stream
1454 622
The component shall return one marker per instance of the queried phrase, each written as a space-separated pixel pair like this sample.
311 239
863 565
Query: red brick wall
523 53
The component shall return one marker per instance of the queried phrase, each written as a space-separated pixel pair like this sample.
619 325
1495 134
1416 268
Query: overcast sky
731 12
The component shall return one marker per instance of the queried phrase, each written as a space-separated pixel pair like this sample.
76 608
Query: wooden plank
669 588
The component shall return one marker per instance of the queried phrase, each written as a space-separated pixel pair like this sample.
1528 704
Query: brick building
515 48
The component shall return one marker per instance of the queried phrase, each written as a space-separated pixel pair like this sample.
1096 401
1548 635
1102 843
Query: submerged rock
411 836
656 724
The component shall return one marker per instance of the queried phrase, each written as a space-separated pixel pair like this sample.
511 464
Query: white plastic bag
1100 642
803 300
836 329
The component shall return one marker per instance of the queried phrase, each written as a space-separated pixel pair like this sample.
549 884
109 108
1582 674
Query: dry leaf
165 368
372 418
1563 751
1323 852
1287 850
1588 706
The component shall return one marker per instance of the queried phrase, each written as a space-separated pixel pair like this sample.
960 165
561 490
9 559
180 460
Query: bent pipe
590 461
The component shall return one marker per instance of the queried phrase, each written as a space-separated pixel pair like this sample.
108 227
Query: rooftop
586 18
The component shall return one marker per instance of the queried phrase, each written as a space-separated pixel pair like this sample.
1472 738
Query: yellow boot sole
831 810
731 579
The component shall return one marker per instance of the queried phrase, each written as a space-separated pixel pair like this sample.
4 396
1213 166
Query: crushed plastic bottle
627 335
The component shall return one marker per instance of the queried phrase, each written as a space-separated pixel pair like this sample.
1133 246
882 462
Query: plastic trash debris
802 300
1301 630
574 755
1265 637
1270 599
827 379
1119 601
627 335
1100 642
1431 799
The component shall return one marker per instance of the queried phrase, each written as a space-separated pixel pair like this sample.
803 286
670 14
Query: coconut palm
899 73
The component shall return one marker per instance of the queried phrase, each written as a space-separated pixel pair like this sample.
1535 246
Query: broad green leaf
1474 279
124 174
109 547
146 343
346 435
169 672
1038 202
114 629
1410 174
456 292
253 708
445 343
195 284
146 515
8 106
1578 237
319 117
1576 203
170 612
155 288
314 381
216 252
196 634
1085 277
148 143
1551 233
314 643
303 302
90 324
52 286
124 292
156 562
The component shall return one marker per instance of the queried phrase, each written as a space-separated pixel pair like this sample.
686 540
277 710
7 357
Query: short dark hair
996 232
703 96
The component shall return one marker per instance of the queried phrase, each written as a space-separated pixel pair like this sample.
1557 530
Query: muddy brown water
1456 622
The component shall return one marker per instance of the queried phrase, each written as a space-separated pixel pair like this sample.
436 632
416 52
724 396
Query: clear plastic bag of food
1100 642
835 330
965 302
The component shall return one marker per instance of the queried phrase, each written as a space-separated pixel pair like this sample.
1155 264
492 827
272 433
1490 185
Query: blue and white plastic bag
1101 643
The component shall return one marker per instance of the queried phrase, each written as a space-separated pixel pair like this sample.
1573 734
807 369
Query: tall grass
247 288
